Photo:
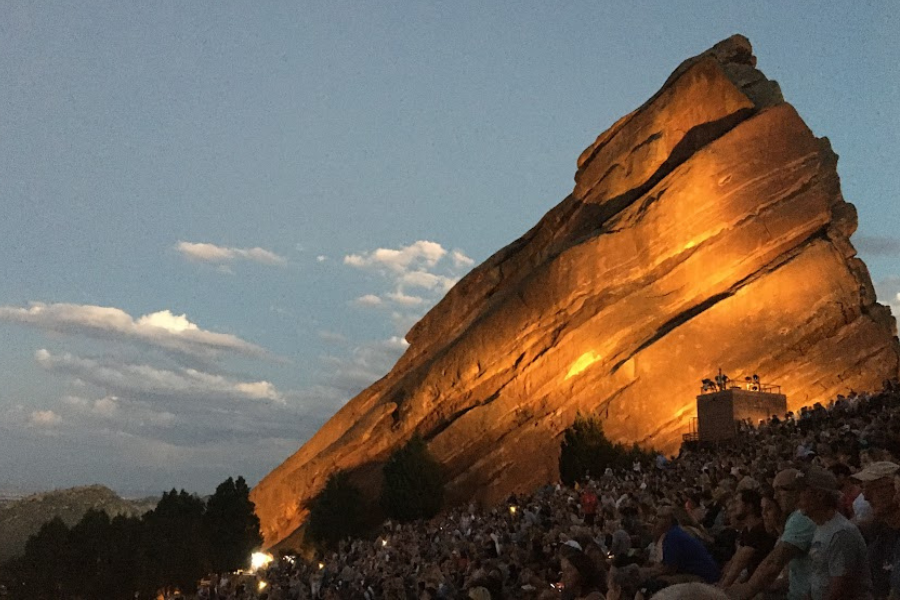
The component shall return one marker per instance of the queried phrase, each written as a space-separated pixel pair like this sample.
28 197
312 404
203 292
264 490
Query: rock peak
706 230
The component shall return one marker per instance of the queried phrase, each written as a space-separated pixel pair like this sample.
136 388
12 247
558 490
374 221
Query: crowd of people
799 507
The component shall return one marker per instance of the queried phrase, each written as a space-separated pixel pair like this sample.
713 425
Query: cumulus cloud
368 300
419 255
45 418
211 253
184 385
161 329
460 260
423 266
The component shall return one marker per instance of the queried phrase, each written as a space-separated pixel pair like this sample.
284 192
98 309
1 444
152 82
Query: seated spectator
754 543
690 591
884 544
839 570
850 488
684 558
773 517
791 551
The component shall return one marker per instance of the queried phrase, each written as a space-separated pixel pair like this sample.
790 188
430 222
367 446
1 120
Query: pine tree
230 526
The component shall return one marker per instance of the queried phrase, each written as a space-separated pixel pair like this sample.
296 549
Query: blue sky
221 218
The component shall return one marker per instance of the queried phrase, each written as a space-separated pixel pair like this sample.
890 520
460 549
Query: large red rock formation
706 229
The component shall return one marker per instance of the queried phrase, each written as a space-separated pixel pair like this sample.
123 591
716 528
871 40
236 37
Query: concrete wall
718 411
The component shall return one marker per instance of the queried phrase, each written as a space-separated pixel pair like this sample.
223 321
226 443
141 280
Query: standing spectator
840 570
589 504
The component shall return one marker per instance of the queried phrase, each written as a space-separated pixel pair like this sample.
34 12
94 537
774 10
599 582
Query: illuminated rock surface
706 229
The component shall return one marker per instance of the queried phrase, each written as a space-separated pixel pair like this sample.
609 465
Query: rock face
706 229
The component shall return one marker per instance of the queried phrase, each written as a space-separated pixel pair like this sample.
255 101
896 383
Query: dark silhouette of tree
336 512
230 526
124 559
585 450
44 566
173 542
88 575
413 483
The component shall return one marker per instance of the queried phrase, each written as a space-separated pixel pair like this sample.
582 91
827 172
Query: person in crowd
884 539
850 488
589 502
684 558
773 517
754 543
839 568
791 551
690 591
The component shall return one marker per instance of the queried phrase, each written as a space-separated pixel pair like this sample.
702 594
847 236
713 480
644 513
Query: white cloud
421 254
321 258
211 253
161 329
368 300
888 292
45 418
405 300
185 385
460 260
423 266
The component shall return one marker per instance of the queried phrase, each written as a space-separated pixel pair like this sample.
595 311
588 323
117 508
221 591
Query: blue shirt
688 556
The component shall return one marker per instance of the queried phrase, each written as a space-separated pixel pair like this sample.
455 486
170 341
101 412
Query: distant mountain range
22 517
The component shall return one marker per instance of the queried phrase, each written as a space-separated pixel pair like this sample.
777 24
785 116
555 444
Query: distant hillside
20 519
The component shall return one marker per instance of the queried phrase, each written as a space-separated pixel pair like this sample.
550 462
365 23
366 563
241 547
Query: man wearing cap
792 549
840 570
884 544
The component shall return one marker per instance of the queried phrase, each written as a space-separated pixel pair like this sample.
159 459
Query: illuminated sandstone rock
706 230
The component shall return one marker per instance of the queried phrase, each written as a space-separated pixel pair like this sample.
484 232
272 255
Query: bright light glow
262 585
321 566
582 363
512 510
384 542
259 560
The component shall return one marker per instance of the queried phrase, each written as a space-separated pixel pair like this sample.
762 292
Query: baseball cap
817 478
877 470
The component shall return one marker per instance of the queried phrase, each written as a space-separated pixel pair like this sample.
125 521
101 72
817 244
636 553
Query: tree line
177 543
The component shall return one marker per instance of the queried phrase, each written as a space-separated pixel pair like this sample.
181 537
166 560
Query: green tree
413 483
337 512
585 450
230 526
